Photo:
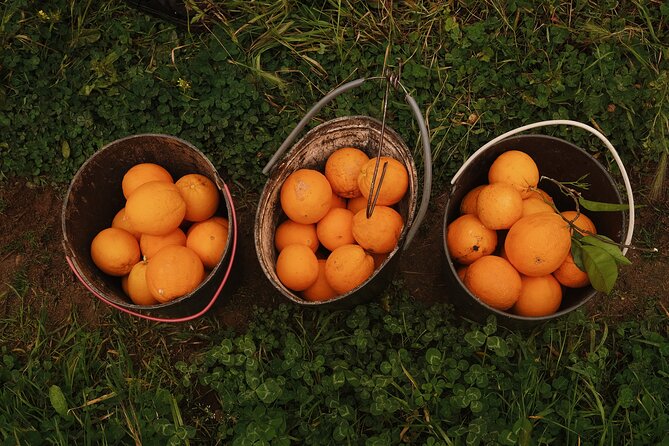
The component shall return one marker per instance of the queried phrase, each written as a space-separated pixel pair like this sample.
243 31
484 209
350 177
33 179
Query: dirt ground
32 260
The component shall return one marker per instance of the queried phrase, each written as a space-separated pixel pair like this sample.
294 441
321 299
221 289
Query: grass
379 374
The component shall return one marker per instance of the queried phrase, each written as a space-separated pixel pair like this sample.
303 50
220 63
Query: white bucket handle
597 133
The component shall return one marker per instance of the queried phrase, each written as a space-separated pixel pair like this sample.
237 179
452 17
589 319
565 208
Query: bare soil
33 266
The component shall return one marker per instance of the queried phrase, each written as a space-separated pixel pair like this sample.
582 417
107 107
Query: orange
379 233
468 203
138 290
570 275
494 281
356 204
539 296
342 169
320 290
121 221
151 244
395 181
516 168
174 272
540 194
143 173
348 267
290 232
306 196
462 272
115 251
155 208
200 194
338 202
538 244
221 221
297 267
583 224
336 229
208 239
467 239
499 206
532 205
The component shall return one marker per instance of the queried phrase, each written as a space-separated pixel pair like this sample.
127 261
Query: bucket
311 152
95 195
557 159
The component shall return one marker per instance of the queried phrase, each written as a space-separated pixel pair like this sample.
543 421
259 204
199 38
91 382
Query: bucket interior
95 196
557 159
311 152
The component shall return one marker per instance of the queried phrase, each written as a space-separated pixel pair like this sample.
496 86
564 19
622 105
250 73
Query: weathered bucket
312 151
557 159
93 198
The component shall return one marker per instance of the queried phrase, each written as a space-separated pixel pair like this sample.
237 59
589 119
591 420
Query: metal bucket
312 152
93 198
556 159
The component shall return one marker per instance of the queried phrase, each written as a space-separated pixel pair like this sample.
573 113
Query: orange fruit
499 206
516 168
538 244
121 221
395 181
570 275
115 251
155 208
320 290
151 244
306 196
467 239
583 224
348 267
532 205
468 203
356 204
494 281
174 271
297 267
342 169
338 202
290 232
540 194
539 296
200 194
143 173
379 233
137 288
336 229
208 239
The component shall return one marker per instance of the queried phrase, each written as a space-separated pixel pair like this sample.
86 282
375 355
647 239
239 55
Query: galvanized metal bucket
556 159
93 198
312 151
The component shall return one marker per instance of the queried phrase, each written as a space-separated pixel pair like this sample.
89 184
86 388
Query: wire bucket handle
597 133
424 136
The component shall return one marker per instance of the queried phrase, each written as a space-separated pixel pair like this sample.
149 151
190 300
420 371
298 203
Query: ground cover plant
75 75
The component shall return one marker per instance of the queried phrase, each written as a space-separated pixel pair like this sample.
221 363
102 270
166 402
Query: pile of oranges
326 244
146 245
512 244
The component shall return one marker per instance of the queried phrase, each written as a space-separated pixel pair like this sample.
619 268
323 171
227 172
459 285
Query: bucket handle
233 217
597 133
424 135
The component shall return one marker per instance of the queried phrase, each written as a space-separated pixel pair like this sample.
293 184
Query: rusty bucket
93 198
312 151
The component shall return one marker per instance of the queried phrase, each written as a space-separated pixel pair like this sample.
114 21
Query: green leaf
268 391
598 206
601 268
577 252
65 149
607 245
58 401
